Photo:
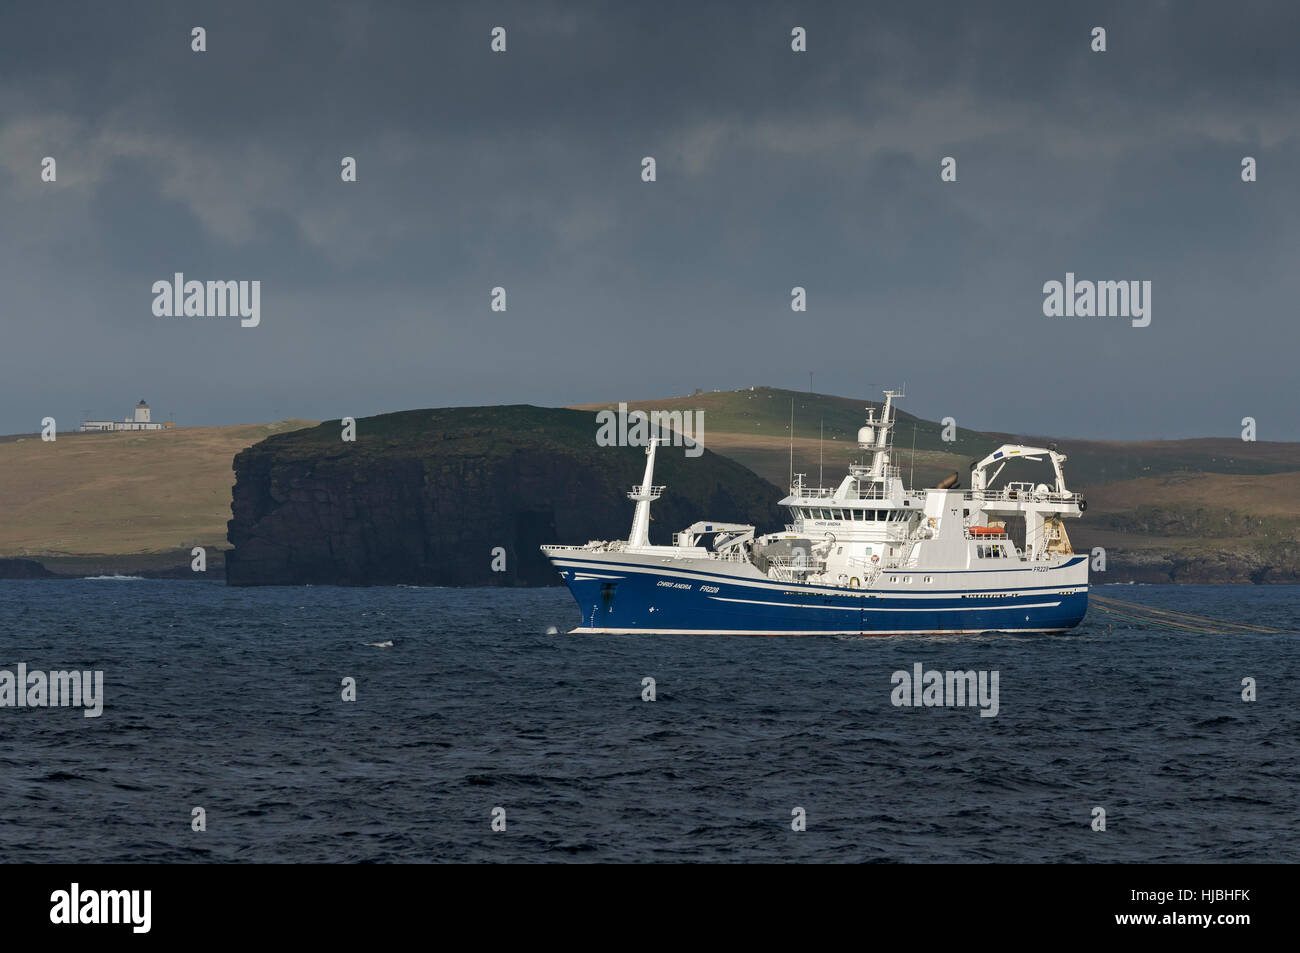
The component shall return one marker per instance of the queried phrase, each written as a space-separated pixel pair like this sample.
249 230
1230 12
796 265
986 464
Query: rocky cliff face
424 498
24 569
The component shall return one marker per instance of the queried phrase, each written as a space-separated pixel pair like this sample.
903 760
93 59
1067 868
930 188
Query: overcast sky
775 169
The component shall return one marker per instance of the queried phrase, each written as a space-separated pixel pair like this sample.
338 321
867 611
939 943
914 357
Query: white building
139 420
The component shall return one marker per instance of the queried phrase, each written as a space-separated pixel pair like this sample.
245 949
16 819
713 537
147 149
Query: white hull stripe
586 631
795 605
710 579
1074 588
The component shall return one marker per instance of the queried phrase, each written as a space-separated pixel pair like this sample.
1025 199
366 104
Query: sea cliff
445 497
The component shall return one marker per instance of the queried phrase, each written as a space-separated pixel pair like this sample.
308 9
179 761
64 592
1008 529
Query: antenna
911 474
820 455
792 441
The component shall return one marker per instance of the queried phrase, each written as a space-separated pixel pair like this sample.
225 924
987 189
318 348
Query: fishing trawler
866 557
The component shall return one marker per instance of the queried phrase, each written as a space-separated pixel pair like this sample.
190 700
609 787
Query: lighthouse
140 419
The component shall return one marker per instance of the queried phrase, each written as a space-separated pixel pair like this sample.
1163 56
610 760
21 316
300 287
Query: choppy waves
231 700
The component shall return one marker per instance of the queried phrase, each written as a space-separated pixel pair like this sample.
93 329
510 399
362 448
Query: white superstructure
870 524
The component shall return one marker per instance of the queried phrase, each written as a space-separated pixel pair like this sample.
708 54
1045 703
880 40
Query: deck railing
1018 495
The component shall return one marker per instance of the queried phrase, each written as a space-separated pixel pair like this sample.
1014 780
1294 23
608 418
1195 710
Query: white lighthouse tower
140 419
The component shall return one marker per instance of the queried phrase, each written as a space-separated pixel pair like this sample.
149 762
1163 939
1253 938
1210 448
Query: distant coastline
1214 510
1146 567
166 565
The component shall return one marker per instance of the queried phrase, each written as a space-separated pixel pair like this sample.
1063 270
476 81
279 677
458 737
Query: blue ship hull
616 596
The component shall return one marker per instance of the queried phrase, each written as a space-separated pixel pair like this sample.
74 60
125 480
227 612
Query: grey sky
775 169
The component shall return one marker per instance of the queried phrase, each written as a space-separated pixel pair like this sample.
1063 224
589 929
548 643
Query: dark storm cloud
775 170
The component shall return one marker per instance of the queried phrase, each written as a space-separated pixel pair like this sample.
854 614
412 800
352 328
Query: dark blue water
229 699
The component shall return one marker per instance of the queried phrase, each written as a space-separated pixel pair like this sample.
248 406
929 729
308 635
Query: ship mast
877 437
644 494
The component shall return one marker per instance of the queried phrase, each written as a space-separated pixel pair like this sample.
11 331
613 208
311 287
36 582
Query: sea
477 729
